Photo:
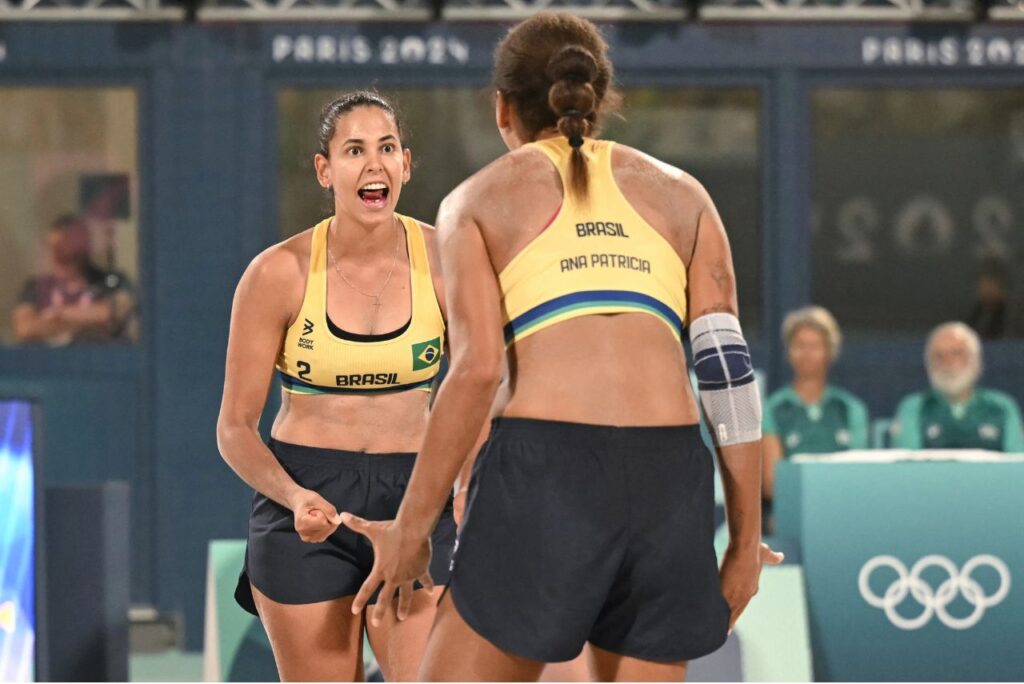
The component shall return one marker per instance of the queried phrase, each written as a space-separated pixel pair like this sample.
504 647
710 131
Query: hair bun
574 63
554 68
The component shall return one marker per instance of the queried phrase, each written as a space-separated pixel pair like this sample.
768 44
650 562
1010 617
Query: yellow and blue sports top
595 257
319 358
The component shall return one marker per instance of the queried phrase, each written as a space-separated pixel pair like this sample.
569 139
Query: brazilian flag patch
426 354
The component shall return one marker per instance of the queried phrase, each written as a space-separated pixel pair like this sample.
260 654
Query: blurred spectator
810 416
75 300
990 309
955 413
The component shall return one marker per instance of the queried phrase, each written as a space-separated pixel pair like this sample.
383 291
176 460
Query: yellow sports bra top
595 258
318 358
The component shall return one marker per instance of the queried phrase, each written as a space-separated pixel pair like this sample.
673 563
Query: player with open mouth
351 313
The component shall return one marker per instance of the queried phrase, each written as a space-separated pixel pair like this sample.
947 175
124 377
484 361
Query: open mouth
374 195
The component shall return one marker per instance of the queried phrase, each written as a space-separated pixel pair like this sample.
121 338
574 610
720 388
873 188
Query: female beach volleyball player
590 513
351 312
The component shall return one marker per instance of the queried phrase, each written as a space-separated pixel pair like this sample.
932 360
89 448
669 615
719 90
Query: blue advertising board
912 568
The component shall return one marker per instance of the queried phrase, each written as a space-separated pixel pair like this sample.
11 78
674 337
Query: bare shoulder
519 173
505 182
684 193
279 269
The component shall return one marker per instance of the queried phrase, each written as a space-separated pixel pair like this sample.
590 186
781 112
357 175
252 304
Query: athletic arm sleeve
726 379
907 424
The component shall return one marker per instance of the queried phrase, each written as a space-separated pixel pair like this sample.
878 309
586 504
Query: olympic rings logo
935 601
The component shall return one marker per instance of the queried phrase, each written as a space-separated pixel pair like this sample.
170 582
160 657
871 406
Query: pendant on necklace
373 317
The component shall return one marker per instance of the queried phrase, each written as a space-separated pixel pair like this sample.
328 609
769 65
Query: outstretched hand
740 574
398 562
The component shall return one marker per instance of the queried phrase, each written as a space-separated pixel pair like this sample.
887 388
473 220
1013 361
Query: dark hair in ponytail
572 99
555 69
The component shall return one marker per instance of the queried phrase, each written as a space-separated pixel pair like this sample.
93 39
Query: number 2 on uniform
304 369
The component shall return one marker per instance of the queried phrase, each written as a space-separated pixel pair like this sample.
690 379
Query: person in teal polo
810 416
955 413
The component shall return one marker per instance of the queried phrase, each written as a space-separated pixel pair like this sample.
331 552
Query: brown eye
388 148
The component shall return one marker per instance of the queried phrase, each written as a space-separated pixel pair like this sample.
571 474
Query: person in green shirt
810 416
955 413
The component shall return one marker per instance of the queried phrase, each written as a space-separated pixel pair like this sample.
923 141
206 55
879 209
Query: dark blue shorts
577 533
289 570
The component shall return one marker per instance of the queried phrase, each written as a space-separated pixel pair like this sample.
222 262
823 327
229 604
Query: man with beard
956 413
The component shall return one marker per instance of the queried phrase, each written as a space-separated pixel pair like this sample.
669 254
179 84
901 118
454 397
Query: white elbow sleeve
725 379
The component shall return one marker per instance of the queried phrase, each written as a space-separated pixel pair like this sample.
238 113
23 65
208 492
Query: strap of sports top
318 255
419 264
558 151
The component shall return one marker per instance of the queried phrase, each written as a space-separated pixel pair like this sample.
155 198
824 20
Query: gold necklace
376 304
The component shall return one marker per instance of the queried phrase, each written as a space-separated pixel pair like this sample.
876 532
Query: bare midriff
382 423
620 369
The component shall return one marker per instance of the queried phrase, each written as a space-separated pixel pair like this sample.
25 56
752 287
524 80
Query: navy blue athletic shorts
289 570
577 533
